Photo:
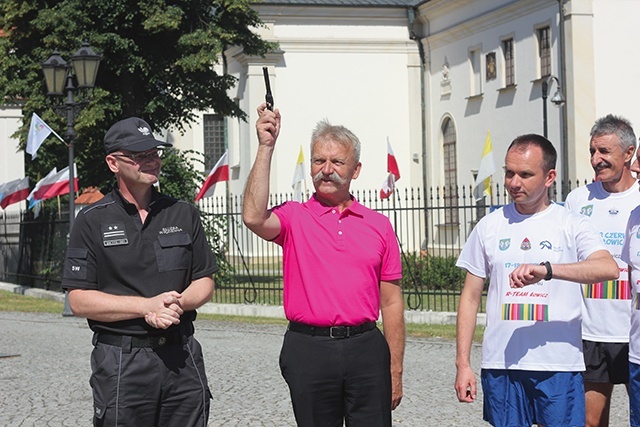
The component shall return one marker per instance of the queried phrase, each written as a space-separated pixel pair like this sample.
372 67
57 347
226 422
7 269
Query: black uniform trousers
332 380
145 387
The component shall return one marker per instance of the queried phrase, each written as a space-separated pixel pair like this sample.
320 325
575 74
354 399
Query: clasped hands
164 310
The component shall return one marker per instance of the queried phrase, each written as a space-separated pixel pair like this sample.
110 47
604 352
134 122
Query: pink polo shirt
333 262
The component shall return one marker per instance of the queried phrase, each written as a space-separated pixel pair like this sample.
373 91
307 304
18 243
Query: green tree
162 61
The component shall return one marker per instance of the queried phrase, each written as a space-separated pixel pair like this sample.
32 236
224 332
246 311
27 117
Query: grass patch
439 331
10 301
242 319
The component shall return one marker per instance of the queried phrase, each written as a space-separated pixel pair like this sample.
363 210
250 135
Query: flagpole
491 190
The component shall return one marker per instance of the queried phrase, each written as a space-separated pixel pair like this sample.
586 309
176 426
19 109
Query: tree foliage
161 61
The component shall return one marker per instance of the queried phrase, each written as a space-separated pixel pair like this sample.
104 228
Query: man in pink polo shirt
342 267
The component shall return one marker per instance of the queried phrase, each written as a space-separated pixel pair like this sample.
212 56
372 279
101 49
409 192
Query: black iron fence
431 230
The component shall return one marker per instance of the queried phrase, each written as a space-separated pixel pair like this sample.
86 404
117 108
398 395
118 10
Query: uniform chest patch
114 234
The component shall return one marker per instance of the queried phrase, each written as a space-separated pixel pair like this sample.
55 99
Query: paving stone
46 382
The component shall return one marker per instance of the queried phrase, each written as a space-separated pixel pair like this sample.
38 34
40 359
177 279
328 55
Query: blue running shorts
515 398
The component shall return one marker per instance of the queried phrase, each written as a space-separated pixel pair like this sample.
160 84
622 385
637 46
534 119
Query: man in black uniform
137 267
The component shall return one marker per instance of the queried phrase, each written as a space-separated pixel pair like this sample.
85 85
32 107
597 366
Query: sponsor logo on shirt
586 210
170 230
613 211
114 234
504 244
525 245
545 244
612 238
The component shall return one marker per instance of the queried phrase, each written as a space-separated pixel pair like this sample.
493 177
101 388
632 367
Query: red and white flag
52 185
387 187
389 183
220 172
392 163
14 192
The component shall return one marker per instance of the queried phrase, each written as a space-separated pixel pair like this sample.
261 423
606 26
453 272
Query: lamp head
558 99
55 73
85 64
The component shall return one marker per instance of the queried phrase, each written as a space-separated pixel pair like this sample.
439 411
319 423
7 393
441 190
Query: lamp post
557 99
73 80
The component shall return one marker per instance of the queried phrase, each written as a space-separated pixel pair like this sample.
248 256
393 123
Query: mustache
602 164
333 177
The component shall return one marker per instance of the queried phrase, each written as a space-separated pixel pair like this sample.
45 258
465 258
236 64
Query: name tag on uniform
114 234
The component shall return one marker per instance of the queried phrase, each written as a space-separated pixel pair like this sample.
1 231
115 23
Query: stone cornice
464 28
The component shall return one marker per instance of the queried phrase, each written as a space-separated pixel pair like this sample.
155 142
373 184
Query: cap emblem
144 130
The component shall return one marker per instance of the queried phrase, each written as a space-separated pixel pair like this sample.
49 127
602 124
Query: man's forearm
394 333
256 191
392 308
198 293
103 307
467 318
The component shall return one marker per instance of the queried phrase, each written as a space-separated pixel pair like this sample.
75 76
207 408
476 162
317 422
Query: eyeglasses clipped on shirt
141 157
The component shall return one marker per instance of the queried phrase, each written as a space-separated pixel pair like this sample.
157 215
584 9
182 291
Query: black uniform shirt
112 251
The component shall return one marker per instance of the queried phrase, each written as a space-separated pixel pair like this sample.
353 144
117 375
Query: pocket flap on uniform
77 253
75 265
175 239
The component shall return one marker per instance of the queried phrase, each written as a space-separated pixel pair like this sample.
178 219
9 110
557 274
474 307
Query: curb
271 311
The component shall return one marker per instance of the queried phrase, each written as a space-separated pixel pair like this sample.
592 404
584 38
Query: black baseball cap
132 134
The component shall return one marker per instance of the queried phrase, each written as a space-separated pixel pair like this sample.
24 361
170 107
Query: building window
450 172
476 75
490 65
214 136
509 63
544 51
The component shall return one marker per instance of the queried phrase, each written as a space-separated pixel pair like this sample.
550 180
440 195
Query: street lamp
557 99
72 78
77 75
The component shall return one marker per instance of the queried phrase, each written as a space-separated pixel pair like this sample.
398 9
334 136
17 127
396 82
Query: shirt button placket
340 237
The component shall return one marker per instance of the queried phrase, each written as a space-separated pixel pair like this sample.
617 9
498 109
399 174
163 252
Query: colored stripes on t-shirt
611 289
539 312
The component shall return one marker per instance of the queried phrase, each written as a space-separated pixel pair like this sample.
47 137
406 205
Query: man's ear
551 177
356 173
628 153
112 163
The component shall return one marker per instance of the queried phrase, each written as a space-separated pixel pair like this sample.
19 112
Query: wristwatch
547 265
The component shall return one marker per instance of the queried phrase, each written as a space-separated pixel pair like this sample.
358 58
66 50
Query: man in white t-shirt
606 306
536 254
631 255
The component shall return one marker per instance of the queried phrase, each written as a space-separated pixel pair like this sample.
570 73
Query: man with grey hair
606 306
341 267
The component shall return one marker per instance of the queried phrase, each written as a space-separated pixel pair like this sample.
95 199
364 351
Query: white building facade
434 77
11 160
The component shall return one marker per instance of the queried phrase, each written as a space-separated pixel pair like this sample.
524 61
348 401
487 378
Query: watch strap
547 265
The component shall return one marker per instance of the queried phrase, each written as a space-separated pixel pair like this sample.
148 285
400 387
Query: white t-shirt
606 305
631 255
536 327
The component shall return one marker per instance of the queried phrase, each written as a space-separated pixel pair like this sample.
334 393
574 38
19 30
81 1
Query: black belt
332 331
137 341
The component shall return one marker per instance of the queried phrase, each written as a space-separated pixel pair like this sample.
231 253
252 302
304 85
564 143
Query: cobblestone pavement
44 376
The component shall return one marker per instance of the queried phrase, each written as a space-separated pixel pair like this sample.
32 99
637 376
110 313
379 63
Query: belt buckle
338 332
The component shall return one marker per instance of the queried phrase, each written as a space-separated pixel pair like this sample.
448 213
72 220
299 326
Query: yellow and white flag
299 184
482 185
